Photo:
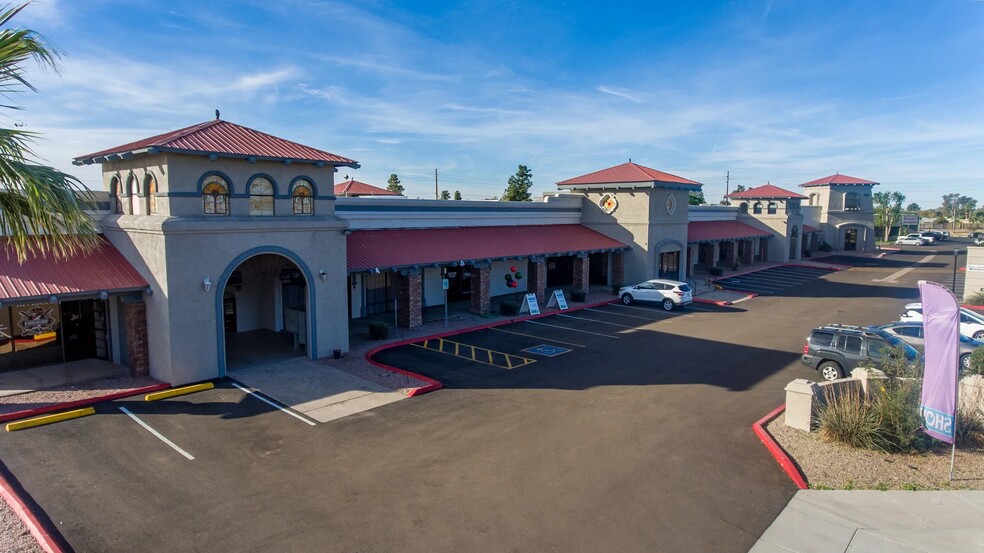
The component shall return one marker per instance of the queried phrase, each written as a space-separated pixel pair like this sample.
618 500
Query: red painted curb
82 402
784 461
434 384
748 296
973 307
44 539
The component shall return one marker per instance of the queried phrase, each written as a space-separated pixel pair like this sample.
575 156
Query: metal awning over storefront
42 276
719 231
807 229
391 249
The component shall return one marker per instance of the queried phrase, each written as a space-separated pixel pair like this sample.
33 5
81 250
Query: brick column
715 252
481 286
135 324
618 269
749 248
730 253
691 260
537 279
581 273
408 308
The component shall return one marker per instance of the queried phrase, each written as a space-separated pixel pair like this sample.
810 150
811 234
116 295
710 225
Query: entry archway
265 310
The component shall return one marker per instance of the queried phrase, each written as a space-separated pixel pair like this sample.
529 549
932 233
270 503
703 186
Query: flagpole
956 417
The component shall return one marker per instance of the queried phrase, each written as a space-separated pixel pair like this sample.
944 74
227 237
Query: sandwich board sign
558 300
530 305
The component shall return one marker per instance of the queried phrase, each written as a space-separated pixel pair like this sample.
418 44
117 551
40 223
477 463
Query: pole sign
941 328
909 220
444 283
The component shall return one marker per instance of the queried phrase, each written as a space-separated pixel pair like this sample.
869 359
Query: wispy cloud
619 93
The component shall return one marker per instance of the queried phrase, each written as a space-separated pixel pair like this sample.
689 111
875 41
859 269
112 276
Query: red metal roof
353 187
711 231
628 172
837 178
766 191
808 229
104 269
383 249
223 138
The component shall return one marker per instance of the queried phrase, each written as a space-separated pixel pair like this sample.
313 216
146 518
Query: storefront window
32 335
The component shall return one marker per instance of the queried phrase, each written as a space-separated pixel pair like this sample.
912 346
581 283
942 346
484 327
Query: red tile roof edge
838 178
767 191
629 172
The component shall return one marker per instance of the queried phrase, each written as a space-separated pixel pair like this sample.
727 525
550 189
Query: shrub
975 299
970 427
378 330
976 362
578 295
849 418
825 247
717 271
897 407
509 308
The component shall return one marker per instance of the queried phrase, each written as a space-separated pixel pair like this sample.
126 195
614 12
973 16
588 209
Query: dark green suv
835 350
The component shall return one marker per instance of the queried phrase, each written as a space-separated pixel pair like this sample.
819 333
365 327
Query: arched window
813 199
134 189
794 232
215 196
150 189
757 208
302 197
260 197
852 200
773 207
117 195
743 207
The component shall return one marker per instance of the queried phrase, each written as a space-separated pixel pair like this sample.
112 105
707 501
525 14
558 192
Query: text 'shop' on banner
941 330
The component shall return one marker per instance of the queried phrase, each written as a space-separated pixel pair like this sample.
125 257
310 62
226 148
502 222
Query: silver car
912 334
669 293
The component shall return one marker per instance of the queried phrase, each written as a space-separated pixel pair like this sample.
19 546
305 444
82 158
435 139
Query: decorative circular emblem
671 204
608 203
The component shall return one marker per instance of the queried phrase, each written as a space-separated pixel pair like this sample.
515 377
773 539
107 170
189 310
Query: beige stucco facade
846 216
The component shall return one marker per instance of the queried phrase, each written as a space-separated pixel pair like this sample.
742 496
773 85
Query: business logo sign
39 319
671 204
608 203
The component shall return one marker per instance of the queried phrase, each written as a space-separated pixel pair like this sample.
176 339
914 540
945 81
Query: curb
784 461
45 540
81 403
435 384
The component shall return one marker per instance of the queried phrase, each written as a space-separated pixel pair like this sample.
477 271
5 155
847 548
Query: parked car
669 293
979 241
912 334
929 237
946 234
971 323
834 350
911 240
975 235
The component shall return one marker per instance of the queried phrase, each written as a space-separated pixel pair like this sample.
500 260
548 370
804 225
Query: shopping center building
218 237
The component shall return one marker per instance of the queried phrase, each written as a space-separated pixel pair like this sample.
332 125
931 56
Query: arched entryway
265 310
669 259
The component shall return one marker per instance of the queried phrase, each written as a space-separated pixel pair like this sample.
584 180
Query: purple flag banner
941 331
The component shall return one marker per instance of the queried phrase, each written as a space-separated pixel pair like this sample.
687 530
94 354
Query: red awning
807 229
391 248
714 231
104 269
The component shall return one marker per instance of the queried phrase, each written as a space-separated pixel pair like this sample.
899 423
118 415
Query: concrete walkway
820 521
315 389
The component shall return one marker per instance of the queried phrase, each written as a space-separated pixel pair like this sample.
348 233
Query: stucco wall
974 283
628 224
373 213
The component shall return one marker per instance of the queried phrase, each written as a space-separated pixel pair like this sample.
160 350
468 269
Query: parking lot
772 280
614 428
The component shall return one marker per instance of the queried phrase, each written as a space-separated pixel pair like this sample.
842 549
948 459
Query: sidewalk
820 521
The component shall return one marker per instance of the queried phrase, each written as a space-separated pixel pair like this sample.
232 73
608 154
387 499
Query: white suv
669 293
971 323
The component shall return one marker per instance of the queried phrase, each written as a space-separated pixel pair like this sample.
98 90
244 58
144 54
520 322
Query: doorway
669 265
850 239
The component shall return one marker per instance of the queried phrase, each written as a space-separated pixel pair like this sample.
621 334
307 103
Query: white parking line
538 337
649 309
158 434
571 329
271 403
596 321
625 315
899 274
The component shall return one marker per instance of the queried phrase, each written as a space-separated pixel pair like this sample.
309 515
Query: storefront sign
530 305
978 268
35 320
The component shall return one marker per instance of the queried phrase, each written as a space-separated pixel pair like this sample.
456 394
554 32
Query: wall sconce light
347 231
461 263
207 283
104 295
375 271
53 299
324 274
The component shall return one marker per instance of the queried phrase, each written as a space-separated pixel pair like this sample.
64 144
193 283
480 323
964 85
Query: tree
518 189
41 208
913 208
457 194
696 197
393 184
445 195
888 208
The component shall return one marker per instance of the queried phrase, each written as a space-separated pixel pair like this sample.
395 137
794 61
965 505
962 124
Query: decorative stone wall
408 307
618 269
481 283
582 275
135 324
537 282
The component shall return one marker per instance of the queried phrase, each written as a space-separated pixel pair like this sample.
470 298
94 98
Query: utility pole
727 187
437 195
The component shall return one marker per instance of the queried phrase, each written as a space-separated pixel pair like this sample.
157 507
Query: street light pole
953 288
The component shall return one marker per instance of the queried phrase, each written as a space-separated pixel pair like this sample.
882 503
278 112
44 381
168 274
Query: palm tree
41 208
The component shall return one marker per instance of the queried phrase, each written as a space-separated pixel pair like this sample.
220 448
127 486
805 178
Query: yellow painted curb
179 391
48 419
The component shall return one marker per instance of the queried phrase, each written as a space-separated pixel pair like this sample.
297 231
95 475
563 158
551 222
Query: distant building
845 213
353 189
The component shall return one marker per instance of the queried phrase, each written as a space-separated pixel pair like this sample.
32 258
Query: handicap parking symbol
546 351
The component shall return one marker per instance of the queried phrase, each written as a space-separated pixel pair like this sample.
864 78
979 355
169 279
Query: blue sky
779 91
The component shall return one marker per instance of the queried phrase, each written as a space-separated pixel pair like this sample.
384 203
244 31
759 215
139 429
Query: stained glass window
151 194
133 188
260 197
302 198
215 195
114 189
